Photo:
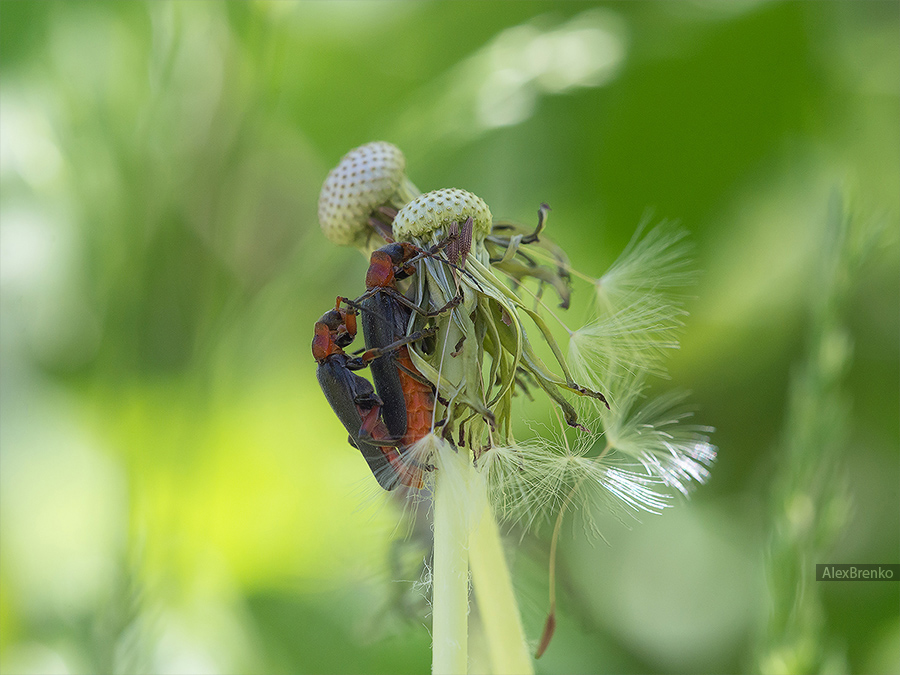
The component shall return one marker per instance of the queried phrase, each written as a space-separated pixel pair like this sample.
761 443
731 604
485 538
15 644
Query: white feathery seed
656 263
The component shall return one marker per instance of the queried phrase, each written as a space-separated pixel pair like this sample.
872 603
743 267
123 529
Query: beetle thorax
381 271
323 344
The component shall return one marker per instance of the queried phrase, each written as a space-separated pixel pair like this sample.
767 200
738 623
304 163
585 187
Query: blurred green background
176 495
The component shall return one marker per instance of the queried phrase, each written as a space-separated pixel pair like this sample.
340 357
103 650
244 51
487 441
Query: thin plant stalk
466 535
494 590
450 592
810 503
550 625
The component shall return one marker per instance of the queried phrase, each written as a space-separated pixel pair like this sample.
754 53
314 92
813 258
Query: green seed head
434 211
367 177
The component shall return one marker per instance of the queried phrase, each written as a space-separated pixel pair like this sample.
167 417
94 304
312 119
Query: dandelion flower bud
429 216
368 179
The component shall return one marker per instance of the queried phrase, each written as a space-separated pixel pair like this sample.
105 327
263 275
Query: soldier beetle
408 398
354 400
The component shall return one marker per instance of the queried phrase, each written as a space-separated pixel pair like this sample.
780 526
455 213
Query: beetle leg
438 247
406 302
454 301
459 241
418 377
368 401
373 431
355 304
382 228
378 352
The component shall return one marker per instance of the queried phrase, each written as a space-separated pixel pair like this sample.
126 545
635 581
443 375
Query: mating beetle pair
383 425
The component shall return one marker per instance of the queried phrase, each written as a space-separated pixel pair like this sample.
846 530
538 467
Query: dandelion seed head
367 177
432 213
640 452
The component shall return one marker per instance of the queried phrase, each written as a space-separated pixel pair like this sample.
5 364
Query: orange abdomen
419 413
419 401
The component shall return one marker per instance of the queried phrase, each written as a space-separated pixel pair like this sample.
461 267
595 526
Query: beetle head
335 330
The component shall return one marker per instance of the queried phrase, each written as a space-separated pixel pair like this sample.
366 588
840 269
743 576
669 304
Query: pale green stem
406 192
494 590
450 580
465 532
450 592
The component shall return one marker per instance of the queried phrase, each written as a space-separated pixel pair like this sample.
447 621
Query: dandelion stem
466 533
450 599
494 590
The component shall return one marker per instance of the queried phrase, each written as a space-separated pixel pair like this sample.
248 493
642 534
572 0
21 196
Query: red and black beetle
354 400
408 398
